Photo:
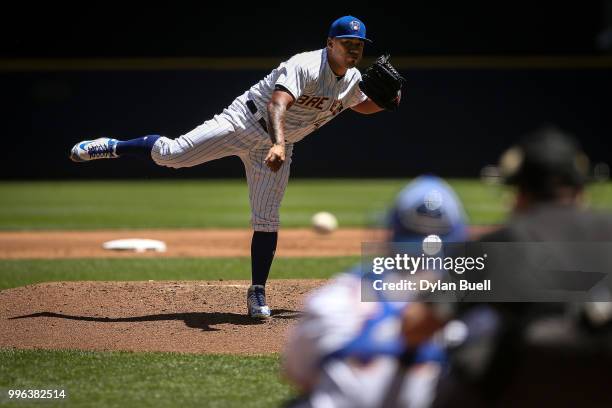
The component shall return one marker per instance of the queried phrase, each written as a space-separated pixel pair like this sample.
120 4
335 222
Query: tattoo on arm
277 107
276 120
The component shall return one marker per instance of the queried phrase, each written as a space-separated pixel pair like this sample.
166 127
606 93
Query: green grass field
119 379
18 272
101 379
224 203
205 204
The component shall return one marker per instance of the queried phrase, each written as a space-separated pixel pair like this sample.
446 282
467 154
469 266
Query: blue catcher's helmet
427 206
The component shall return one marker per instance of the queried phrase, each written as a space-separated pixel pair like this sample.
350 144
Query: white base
135 244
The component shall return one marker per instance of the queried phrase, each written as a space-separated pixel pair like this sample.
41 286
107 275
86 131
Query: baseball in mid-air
324 222
432 244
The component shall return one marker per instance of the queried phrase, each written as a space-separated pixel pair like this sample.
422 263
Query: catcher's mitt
382 83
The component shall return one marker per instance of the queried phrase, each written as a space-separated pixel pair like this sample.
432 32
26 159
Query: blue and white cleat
256 302
101 148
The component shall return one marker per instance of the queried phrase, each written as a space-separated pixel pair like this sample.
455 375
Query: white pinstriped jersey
319 94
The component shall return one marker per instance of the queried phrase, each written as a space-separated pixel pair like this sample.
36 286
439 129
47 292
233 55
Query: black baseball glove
382 83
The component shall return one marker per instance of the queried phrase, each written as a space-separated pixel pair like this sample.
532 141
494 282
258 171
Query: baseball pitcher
262 125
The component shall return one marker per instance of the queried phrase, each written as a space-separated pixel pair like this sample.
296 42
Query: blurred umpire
538 354
549 172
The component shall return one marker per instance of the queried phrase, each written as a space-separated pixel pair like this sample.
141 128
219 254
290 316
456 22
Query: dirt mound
182 316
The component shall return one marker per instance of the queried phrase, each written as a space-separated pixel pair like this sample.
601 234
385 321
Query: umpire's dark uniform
542 354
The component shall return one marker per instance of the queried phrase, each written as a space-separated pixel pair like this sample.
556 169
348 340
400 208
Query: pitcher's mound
183 316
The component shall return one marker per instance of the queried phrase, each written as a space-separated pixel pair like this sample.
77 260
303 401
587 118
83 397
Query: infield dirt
180 243
186 316
301 242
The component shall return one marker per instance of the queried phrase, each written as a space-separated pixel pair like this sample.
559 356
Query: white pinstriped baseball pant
222 137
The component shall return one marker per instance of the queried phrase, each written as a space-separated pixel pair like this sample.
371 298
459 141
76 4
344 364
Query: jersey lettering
336 107
319 105
310 101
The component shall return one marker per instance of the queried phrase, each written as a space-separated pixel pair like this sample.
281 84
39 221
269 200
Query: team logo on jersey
355 25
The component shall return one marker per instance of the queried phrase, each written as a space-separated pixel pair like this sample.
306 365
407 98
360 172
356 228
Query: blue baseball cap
348 27
428 206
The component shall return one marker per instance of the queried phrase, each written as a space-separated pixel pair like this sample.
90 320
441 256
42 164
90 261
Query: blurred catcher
262 125
347 353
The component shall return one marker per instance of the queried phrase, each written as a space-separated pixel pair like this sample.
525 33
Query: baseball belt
257 115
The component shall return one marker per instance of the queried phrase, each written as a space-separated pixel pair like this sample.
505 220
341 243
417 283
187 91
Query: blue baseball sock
136 147
263 247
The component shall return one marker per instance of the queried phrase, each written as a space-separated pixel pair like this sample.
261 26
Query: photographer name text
431 286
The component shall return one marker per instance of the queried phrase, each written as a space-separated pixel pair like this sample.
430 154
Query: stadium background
477 78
